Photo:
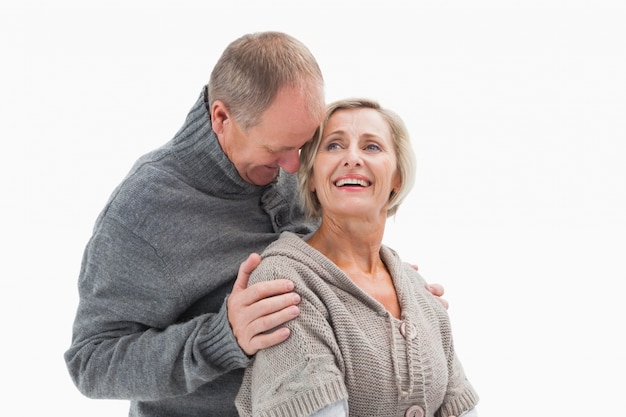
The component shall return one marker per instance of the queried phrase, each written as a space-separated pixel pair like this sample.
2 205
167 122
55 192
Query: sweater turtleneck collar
198 150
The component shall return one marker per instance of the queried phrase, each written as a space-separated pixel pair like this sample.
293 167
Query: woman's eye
372 147
332 146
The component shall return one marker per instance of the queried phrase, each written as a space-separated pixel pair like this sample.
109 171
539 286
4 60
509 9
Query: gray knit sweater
151 324
345 344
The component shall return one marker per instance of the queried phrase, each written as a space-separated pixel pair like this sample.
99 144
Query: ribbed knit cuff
308 402
460 404
220 347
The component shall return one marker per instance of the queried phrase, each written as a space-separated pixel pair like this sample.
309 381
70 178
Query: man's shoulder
149 188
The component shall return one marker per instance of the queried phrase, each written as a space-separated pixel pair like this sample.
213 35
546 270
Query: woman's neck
350 245
355 249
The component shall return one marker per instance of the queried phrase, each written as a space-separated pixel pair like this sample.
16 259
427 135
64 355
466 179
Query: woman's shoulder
281 258
396 265
287 244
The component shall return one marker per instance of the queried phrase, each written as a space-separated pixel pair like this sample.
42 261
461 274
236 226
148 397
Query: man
162 321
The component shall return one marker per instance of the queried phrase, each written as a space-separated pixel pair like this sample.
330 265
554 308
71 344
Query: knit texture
151 324
344 344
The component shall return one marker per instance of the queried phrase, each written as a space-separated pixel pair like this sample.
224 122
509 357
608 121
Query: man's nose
290 162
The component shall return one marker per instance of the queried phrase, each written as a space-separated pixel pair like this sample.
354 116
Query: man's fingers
266 294
245 269
264 316
443 302
271 302
265 340
435 289
273 312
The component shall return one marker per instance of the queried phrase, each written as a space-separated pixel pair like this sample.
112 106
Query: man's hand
254 310
437 291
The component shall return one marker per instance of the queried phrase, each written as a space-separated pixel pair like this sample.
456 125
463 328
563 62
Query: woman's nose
352 157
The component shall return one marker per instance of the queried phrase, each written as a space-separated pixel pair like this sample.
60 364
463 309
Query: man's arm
127 341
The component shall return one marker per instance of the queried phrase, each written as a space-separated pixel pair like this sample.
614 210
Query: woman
369 339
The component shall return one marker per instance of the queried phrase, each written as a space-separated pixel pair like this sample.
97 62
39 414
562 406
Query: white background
518 117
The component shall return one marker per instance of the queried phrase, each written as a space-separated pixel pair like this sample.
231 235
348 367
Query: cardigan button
278 219
408 330
414 411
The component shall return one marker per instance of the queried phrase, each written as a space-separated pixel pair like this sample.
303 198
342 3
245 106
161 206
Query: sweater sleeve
303 374
124 344
460 394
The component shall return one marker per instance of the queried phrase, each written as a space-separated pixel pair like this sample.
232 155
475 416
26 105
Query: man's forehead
283 138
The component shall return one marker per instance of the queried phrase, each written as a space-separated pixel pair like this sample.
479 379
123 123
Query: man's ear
220 116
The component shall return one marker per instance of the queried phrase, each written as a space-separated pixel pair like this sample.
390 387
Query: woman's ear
396 183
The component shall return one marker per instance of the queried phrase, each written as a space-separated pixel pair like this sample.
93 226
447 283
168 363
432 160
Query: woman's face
355 169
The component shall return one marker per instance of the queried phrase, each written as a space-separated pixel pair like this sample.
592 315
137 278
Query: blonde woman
370 340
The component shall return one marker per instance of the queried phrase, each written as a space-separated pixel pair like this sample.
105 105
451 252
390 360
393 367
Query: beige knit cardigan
346 345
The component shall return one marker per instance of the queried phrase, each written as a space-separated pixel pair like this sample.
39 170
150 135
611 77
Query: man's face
274 143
